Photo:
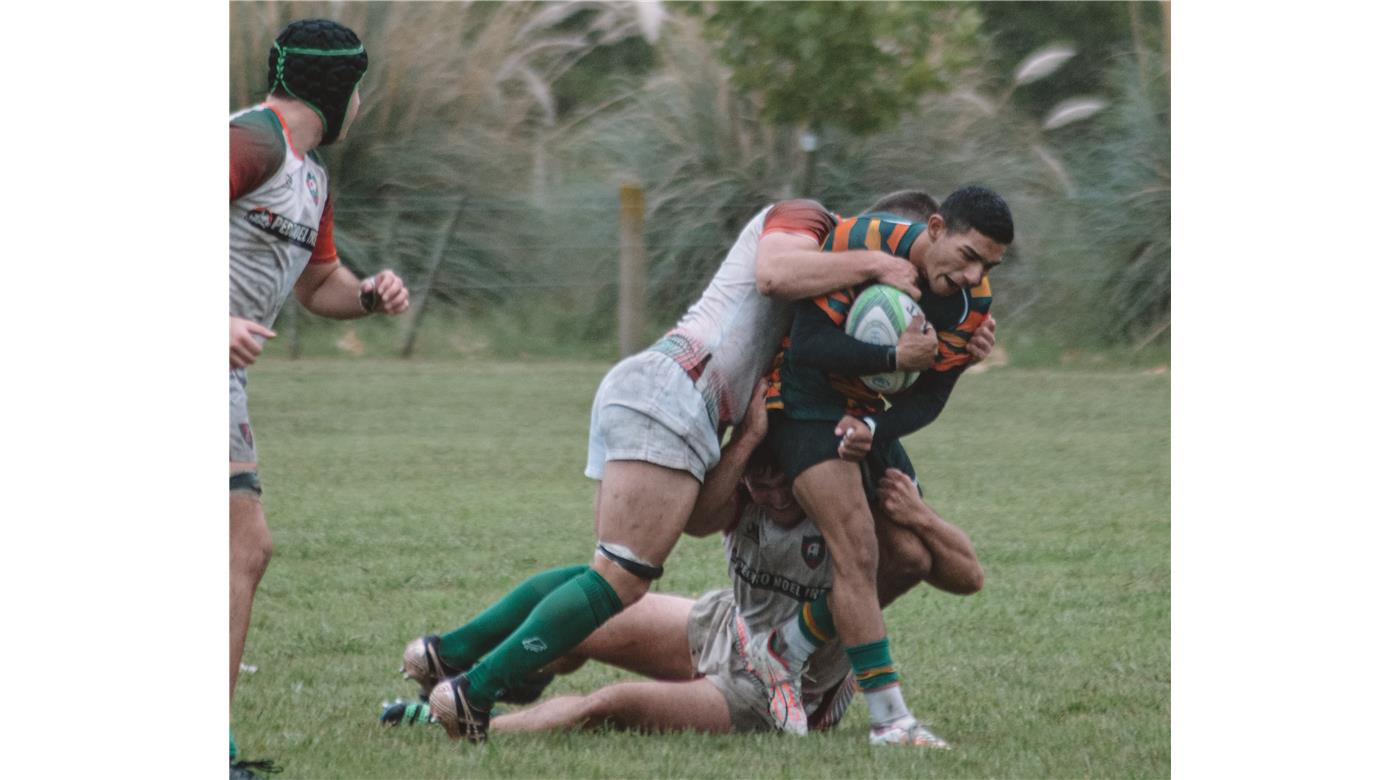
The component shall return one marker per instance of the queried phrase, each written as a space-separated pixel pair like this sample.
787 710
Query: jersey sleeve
800 217
952 342
816 341
324 251
255 152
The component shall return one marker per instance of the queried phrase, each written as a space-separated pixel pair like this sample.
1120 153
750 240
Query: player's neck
303 124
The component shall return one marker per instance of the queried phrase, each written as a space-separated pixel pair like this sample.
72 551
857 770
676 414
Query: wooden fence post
632 272
435 262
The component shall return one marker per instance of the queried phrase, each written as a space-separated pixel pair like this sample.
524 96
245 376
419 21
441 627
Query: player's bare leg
249 550
647 706
645 508
648 638
832 496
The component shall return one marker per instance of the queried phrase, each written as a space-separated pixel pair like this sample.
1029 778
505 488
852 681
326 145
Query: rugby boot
407 713
783 681
450 705
423 664
251 770
907 731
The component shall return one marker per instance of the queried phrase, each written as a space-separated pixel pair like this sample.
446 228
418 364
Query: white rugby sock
792 645
886 705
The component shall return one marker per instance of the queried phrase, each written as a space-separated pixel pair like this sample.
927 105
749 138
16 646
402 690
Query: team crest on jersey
813 550
311 187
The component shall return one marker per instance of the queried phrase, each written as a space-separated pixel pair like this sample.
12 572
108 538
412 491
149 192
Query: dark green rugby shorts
802 444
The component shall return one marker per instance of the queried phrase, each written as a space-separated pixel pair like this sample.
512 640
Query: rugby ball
878 316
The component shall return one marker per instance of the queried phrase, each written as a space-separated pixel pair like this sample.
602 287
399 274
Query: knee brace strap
628 560
246 482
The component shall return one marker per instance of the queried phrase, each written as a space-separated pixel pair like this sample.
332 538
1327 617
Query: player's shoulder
800 216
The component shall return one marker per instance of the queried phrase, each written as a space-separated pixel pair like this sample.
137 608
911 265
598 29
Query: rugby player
281 241
692 648
832 434
655 432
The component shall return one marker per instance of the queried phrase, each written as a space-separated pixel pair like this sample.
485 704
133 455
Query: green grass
403 496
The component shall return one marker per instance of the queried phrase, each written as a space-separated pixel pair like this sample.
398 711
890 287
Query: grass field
405 496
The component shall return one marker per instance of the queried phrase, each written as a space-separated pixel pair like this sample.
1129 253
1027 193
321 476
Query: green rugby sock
461 648
232 748
872 664
557 625
816 621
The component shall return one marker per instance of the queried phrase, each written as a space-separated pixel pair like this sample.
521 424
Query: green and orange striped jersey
807 393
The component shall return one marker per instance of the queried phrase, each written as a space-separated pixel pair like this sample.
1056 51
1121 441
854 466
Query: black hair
980 209
319 62
916 205
763 460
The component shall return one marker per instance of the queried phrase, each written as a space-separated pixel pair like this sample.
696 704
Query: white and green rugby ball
878 316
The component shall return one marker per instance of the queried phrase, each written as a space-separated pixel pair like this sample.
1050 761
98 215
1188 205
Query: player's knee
599 707
250 540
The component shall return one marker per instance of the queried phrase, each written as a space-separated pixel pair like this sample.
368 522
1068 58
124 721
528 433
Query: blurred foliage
486 161
856 66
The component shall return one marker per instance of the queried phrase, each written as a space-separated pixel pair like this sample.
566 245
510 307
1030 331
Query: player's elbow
969 583
770 284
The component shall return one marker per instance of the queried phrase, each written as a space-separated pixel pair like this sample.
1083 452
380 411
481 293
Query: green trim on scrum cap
321 52
282 80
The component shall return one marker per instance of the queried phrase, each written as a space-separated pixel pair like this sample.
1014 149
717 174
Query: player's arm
717 506
791 264
329 289
916 407
817 342
954 566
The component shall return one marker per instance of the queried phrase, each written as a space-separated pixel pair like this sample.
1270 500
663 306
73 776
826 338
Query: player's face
957 261
773 492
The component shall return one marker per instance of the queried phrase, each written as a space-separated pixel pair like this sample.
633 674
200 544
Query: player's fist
983 339
245 340
897 272
917 346
855 439
385 293
899 497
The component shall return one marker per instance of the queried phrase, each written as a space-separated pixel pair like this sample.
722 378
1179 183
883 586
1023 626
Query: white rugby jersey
279 214
774 570
728 338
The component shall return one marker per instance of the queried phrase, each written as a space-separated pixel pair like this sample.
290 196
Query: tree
850 66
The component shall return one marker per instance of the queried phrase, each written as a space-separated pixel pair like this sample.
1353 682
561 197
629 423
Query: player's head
320 63
913 205
770 488
965 239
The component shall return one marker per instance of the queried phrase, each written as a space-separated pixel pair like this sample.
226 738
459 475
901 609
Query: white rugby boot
907 731
782 679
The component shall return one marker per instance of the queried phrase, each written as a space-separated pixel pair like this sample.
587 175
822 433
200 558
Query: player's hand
387 292
900 498
855 439
983 339
917 346
245 341
755 424
898 272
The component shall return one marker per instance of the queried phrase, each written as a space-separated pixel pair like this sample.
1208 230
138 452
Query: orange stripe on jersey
897 235
872 236
843 233
982 290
